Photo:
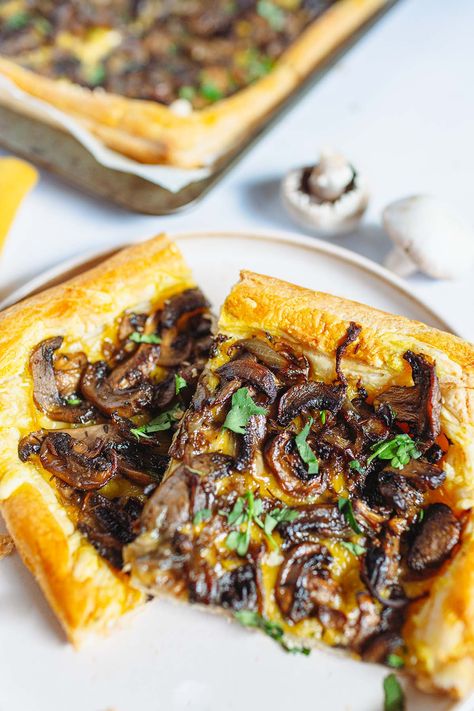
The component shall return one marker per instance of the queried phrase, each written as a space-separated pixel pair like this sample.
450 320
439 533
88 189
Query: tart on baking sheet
175 82
321 483
94 377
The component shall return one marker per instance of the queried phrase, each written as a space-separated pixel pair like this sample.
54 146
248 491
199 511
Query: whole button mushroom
328 198
429 237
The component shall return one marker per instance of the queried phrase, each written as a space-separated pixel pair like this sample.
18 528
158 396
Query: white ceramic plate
170 657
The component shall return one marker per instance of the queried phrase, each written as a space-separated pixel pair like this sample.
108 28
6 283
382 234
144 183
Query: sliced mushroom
397 493
419 405
109 524
421 474
381 568
308 396
175 348
186 303
247 370
125 402
435 537
250 442
381 646
303 583
83 465
314 522
263 351
31 444
68 370
45 387
290 470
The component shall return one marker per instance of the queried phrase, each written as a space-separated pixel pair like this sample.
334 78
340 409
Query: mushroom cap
328 217
431 235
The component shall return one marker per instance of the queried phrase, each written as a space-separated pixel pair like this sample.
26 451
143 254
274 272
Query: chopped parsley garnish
73 400
179 383
243 407
305 451
323 415
137 337
273 14
395 661
256 64
421 515
158 424
187 92
394 696
17 21
353 548
248 618
356 466
202 515
399 450
210 91
345 506
248 510
96 75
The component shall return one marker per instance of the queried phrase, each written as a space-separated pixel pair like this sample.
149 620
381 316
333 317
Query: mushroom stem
399 262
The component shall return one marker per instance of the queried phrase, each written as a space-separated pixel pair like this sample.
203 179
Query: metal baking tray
63 155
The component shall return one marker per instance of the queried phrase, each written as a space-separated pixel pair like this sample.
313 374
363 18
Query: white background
400 104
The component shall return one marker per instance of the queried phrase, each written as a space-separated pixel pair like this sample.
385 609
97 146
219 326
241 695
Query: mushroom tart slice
321 483
100 371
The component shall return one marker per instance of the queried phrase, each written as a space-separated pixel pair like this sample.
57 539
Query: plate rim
314 244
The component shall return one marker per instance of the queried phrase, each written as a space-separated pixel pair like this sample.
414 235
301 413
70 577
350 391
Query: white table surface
400 104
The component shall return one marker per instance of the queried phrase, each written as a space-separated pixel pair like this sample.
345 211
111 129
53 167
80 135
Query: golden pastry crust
152 133
439 631
83 590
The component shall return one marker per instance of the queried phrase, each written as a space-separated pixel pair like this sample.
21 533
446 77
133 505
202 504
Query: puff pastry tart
95 375
321 484
178 82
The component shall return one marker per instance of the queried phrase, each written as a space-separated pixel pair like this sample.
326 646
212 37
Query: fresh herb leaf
243 407
394 696
158 424
202 515
247 510
210 91
356 466
248 618
96 75
187 92
42 25
179 383
256 64
353 548
273 14
323 415
305 451
400 449
73 400
395 661
345 506
421 515
17 21
137 337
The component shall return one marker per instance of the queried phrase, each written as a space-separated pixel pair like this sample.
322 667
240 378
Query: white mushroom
428 237
328 198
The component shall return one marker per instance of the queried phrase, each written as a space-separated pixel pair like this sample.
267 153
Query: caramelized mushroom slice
435 537
68 370
125 402
420 405
312 395
175 348
247 370
381 570
45 387
263 351
81 464
421 474
290 470
31 444
250 441
315 522
187 303
303 583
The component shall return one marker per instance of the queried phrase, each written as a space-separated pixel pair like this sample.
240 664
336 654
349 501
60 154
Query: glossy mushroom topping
320 516
126 408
